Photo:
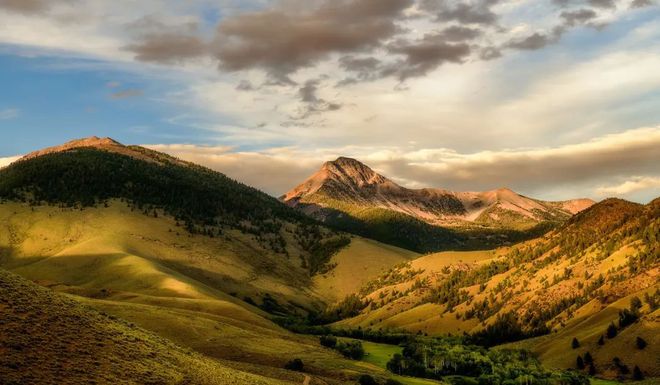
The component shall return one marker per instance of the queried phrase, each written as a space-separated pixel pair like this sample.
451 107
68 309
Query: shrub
295 364
328 341
601 340
352 349
580 363
588 359
641 344
366 379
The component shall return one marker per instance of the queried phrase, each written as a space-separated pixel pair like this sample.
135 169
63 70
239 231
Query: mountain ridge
351 181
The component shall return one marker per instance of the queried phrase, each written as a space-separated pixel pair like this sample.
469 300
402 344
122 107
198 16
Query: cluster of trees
461 363
352 349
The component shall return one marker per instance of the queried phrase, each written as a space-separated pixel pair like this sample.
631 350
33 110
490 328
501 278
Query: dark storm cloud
281 42
580 16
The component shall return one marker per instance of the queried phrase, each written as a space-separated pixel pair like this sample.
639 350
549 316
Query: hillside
351 196
50 339
574 282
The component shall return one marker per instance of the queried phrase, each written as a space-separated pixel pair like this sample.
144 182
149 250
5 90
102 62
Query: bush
328 341
295 364
580 363
641 344
366 379
601 340
588 359
351 349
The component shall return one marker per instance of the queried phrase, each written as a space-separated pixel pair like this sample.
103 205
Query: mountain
349 195
598 271
180 251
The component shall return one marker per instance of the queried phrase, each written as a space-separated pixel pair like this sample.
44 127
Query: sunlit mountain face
417 192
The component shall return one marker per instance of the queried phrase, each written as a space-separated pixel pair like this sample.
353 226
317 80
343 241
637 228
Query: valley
221 283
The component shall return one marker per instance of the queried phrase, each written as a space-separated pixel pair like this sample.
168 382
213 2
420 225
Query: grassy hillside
210 294
50 339
575 280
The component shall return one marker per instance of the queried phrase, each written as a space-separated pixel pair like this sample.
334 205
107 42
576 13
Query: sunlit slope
50 339
117 249
363 260
571 283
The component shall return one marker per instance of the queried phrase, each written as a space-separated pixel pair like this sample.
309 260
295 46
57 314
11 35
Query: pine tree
575 343
641 344
611 331
592 370
580 363
637 374
601 340
588 359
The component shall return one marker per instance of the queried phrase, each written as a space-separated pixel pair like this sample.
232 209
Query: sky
555 99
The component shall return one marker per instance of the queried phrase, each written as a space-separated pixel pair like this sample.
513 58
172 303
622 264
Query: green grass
379 354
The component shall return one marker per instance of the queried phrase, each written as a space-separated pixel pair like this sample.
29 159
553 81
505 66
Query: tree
635 304
641 344
295 364
580 363
637 374
588 359
601 340
592 370
611 331
575 343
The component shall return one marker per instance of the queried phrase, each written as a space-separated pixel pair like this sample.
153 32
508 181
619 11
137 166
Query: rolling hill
349 195
601 267
183 252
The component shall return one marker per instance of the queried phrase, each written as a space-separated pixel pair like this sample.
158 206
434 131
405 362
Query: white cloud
8 160
635 184
561 172
9 113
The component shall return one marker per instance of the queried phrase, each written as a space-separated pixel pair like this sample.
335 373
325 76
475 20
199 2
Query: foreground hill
602 267
348 194
183 252
50 339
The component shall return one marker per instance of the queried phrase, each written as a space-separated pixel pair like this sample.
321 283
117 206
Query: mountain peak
92 141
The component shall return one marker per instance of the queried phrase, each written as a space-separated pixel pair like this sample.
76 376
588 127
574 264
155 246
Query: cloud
25 6
633 185
313 104
602 3
165 43
281 41
641 3
580 16
533 42
9 113
478 12
127 93
424 55
560 172
8 160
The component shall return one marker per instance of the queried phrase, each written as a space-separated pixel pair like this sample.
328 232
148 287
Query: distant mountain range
350 195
